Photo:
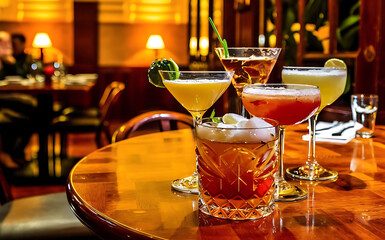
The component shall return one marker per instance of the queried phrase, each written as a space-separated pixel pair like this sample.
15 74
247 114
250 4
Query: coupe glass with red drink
289 104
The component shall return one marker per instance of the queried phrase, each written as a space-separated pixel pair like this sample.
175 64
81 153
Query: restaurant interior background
109 37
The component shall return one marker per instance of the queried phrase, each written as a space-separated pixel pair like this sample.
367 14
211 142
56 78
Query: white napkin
15 80
75 80
325 131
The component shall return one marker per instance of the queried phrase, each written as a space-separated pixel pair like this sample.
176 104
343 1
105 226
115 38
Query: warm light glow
204 46
42 40
272 40
193 46
155 42
261 40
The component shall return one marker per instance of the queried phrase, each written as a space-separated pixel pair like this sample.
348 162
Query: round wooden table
123 191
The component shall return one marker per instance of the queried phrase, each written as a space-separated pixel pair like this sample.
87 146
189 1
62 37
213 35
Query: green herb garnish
223 42
213 118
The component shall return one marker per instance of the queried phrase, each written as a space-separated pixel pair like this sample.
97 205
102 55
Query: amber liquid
237 179
248 71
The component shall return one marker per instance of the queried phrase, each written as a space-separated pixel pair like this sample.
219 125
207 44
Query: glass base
363 134
186 185
289 193
317 173
236 209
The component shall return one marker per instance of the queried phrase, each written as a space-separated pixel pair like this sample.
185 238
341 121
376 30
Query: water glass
364 111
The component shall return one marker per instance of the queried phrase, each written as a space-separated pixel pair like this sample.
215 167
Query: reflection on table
124 190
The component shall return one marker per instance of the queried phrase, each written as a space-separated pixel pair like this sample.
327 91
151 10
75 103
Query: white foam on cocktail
282 91
196 81
224 125
249 58
254 122
327 72
246 131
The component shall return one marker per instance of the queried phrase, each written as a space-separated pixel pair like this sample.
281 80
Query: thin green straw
223 42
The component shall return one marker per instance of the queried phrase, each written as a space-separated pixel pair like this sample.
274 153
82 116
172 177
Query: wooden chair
40 217
89 121
74 111
164 121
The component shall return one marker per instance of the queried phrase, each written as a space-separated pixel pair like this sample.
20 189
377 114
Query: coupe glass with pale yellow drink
196 91
331 82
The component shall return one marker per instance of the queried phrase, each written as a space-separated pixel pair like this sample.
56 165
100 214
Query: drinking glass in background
364 111
36 73
331 82
59 71
236 166
250 65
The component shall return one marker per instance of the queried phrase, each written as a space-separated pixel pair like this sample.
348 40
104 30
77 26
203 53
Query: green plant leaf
213 118
316 12
355 10
212 114
289 19
349 21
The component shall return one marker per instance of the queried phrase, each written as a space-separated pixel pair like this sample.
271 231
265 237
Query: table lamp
156 43
41 41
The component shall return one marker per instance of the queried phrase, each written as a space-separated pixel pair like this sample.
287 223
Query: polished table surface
122 191
45 94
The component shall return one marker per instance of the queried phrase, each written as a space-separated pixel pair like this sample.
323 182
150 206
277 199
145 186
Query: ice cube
259 122
261 132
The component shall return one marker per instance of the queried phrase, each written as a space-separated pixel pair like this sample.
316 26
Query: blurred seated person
16 109
14 60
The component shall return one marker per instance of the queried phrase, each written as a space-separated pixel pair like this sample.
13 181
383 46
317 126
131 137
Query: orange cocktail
250 65
236 167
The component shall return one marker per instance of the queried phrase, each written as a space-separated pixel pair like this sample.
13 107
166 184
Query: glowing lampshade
155 42
42 40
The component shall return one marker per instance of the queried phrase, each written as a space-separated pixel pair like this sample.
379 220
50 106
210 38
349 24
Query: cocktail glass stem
285 192
312 170
244 112
311 160
238 107
189 184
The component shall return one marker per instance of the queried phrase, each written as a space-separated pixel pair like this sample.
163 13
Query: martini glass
250 65
196 91
289 104
331 82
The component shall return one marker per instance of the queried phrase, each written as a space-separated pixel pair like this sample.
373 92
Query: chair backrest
105 95
109 97
167 120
